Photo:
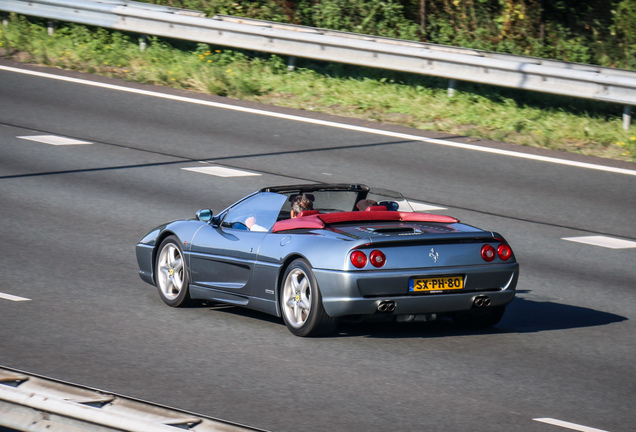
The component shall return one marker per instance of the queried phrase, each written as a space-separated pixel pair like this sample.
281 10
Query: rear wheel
480 318
301 302
172 274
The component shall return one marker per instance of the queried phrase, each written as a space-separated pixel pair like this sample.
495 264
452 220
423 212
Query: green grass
532 119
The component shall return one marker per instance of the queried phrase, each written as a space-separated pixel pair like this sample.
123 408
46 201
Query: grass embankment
525 118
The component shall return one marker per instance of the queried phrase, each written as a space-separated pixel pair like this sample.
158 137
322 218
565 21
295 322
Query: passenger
365 204
299 204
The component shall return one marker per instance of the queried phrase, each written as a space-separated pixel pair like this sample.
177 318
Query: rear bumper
360 293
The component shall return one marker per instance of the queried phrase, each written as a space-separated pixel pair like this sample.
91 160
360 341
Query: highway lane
71 215
443 174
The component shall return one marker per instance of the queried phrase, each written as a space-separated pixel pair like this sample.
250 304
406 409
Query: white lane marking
568 425
54 140
603 241
12 297
329 123
222 172
418 206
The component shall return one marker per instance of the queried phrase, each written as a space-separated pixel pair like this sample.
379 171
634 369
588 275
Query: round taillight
488 253
504 252
377 258
358 259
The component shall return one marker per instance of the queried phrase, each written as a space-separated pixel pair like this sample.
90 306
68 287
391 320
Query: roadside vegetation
601 32
532 119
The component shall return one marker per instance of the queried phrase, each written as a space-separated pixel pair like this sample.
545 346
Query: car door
222 257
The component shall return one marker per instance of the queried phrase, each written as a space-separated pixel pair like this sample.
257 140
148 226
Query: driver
251 224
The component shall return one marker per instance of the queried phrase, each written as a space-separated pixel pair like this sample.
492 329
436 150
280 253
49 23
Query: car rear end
410 269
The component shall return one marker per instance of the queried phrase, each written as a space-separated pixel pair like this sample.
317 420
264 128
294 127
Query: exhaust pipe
481 301
386 306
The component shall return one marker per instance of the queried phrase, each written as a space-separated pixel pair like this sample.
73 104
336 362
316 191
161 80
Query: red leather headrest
307 213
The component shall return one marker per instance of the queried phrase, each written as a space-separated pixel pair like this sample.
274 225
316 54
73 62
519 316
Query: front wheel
301 302
172 274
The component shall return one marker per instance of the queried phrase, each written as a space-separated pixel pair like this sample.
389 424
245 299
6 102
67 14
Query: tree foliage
624 30
587 31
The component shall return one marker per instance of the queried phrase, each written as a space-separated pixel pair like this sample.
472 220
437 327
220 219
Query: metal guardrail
36 404
548 76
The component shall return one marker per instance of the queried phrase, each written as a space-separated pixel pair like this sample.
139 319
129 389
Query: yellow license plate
436 284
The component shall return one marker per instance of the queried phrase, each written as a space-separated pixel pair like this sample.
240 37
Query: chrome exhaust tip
386 306
481 301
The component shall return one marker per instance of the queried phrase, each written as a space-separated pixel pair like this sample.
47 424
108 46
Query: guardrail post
51 28
142 43
5 19
451 87
291 63
627 116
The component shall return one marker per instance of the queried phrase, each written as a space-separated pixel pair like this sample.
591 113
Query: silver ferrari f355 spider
337 260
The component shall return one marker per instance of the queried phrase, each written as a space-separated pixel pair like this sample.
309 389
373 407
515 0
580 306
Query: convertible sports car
332 262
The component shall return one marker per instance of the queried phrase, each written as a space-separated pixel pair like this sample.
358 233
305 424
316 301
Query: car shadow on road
522 316
528 316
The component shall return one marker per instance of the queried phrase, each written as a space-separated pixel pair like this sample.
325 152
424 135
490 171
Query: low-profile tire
480 318
301 302
172 274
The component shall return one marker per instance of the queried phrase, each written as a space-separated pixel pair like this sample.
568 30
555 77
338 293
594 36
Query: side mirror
204 215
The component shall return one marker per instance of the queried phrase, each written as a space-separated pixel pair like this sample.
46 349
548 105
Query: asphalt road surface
72 306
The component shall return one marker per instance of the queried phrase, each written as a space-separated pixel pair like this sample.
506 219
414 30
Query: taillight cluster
489 253
377 258
359 258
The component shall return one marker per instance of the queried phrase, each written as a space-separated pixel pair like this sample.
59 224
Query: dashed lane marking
328 123
54 140
12 297
606 242
568 425
222 171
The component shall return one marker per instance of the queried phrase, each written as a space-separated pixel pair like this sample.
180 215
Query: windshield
332 201
256 213
261 211
327 201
